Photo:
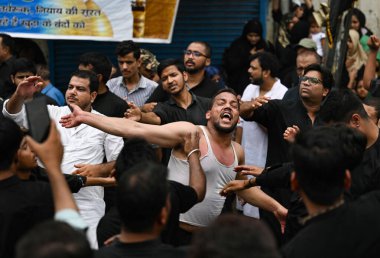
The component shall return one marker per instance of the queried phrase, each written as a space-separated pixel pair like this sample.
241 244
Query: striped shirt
138 95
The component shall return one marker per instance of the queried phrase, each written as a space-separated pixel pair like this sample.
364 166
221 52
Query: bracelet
191 152
250 184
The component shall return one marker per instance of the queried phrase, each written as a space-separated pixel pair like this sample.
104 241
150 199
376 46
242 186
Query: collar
140 85
306 219
172 102
47 88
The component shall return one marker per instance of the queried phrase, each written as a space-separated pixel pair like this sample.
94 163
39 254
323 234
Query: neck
312 108
372 133
102 88
183 99
132 81
194 79
315 210
267 85
220 138
23 174
130 237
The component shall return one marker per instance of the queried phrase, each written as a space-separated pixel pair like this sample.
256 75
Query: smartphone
38 119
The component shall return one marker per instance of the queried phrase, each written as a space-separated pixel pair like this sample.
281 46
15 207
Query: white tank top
217 176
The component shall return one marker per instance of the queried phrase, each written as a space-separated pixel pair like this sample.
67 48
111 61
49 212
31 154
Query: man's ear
208 61
208 115
294 186
13 79
185 76
93 96
355 120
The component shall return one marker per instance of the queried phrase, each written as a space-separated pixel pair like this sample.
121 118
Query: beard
225 130
258 81
193 70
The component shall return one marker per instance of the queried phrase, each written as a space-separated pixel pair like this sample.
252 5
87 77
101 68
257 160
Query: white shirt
254 137
82 145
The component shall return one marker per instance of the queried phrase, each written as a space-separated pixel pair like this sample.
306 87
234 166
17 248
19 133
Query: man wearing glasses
196 58
277 115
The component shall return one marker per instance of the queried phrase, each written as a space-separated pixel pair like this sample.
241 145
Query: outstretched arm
169 135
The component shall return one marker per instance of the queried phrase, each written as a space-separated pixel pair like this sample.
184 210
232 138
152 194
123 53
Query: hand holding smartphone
38 119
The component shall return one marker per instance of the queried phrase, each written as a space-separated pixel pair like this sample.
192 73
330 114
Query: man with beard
277 115
263 70
196 58
83 144
218 153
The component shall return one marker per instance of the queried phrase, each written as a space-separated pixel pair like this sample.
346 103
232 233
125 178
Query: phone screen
38 119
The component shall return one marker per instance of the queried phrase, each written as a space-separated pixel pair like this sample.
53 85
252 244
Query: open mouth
226 116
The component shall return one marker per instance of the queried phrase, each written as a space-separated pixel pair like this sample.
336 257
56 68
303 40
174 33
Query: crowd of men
160 160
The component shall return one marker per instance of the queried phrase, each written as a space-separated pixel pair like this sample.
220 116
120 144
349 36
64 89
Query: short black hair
232 236
100 62
8 41
228 90
327 77
169 62
141 194
268 62
206 45
126 47
90 75
340 105
43 71
135 150
10 140
53 239
321 157
373 102
22 65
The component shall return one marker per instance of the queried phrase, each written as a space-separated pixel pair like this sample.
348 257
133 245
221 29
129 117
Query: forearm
246 110
277 177
370 69
197 178
150 118
14 105
100 181
255 196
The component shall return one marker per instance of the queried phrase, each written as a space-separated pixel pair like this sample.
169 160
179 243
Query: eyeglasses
194 53
311 80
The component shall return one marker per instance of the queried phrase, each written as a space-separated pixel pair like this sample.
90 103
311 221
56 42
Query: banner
107 20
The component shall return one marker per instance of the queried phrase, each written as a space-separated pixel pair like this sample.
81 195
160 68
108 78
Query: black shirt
23 204
182 198
349 231
146 249
206 88
276 116
6 85
195 113
109 104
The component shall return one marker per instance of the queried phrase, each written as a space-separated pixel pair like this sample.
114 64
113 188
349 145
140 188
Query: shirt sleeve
71 217
185 195
19 118
112 146
161 111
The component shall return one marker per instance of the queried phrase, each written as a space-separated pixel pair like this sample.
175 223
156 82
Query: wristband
191 152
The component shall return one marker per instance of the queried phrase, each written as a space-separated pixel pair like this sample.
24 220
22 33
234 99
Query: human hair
141 194
23 65
43 71
10 140
228 90
8 41
100 63
207 46
327 77
340 105
135 150
169 62
254 26
268 62
53 239
128 46
321 156
90 75
231 236
306 54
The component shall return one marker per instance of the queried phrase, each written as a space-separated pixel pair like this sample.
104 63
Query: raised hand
290 133
28 87
73 119
191 142
133 112
373 43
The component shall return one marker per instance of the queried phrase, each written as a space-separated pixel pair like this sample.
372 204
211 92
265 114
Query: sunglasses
311 80
194 53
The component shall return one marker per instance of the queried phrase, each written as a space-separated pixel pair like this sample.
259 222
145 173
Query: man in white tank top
218 153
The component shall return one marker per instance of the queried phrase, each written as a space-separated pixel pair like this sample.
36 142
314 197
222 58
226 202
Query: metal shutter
218 22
